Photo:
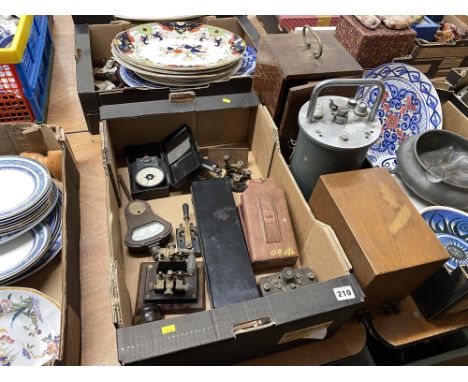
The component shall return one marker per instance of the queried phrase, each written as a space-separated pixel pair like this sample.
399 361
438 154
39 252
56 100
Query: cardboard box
277 72
454 120
233 332
372 48
390 246
93 42
435 59
61 278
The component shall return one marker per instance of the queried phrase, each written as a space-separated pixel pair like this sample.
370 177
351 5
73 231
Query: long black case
227 263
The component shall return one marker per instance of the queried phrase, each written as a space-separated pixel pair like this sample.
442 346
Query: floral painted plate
451 228
184 46
29 327
410 106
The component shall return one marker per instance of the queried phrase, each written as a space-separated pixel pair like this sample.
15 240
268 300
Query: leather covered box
390 246
267 225
372 48
284 61
290 22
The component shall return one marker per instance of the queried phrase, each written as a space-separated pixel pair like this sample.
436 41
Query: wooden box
283 61
372 48
391 248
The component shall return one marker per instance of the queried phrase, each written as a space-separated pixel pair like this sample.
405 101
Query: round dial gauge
149 177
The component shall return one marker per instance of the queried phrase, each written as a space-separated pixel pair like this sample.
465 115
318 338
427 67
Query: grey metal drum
335 134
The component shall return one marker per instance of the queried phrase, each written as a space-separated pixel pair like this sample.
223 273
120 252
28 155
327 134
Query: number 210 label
344 293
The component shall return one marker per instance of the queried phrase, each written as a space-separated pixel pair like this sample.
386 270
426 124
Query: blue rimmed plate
410 106
54 221
24 183
41 215
451 228
19 254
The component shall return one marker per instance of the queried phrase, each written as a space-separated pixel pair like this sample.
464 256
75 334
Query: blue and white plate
44 214
54 221
410 106
248 62
132 79
19 254
451 228
24 183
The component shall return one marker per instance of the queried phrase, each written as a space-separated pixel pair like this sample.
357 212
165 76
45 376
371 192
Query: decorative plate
249 60
184 46
24 182
451 228
29 327
54 221
410 106
19 254
131 79
156 18
38 217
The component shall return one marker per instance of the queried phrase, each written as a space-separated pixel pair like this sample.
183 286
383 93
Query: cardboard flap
120 299
84 67
141 109
109 160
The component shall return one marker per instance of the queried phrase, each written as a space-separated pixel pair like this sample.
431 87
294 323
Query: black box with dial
155 167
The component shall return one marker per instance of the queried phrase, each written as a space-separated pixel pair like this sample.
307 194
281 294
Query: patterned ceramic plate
19 254
29 327
54 221
451 228
156 18
249 60
410 106
184 46
24 182
38 217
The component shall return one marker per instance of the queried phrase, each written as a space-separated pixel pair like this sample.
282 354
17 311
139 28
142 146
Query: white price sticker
344 293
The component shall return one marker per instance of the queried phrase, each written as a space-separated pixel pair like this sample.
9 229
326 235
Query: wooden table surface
98 333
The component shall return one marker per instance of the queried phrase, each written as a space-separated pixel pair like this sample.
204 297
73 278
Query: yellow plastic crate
14 53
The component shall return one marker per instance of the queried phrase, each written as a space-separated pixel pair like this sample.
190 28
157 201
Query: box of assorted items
373 218
449 49
317 56
446 292
247 270
39 247
115 62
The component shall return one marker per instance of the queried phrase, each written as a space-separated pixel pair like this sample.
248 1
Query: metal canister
335 133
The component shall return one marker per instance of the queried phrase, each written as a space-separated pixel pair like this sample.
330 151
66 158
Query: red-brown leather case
267 225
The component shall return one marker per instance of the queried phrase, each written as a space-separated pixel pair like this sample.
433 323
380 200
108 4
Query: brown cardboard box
61 278
93 42
237 331
372 48
454 120
283 61
391 248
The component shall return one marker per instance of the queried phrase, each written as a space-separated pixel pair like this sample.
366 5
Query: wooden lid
298 62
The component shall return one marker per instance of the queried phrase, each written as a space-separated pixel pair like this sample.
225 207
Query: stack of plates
180 54
30 218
